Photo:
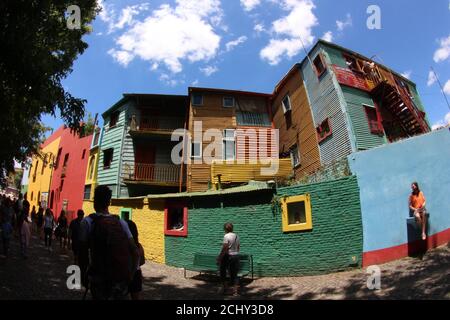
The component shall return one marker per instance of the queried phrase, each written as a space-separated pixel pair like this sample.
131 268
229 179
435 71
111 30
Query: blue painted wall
384 178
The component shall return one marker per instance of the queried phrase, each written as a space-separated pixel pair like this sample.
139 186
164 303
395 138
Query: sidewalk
43 276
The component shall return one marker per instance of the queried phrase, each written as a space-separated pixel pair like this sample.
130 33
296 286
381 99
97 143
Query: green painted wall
364 138
336 235
335 56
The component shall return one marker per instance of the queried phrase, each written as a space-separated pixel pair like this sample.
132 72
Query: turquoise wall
385 175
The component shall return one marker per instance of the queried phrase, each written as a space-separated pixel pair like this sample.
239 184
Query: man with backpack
108 253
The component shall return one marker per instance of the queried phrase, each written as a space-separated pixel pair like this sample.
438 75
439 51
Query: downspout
186 119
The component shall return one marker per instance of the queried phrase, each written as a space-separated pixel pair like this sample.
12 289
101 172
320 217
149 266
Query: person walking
62 230
49 223
228 259
74 231
108 252
6 224
40 221
25 234
135 286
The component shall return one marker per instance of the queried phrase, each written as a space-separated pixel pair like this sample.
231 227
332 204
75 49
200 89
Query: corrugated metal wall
355 99
325 103
112 138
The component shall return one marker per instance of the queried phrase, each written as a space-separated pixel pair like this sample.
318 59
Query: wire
440 85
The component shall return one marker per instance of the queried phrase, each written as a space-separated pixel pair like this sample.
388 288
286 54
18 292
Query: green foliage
39 51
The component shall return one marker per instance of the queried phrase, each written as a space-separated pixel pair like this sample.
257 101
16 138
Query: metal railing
164 173
164 124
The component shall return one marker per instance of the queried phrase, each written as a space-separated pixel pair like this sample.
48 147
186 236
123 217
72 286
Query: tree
38 53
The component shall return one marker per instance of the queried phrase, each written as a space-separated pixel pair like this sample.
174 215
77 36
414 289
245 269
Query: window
197 99
61 185
296 213
35 170
43 168
107 158
91 167
229 144
351 63
66 160
39 198
125 213
96 137
319 65
228 102
58 157
32 197
295 156
323 130
83 154
375 126
286 103
196 149
113 119
87 192
175 220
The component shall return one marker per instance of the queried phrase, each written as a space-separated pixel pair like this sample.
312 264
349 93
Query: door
144 161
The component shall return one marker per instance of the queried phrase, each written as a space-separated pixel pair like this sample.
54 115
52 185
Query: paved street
43 276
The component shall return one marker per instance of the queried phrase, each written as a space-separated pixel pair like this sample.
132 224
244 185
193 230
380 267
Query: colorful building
92 167
68 177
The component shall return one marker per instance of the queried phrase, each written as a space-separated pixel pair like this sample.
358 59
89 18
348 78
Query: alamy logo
374 280
73 19
74 280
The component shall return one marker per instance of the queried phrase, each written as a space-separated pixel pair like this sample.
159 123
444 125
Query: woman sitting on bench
417 204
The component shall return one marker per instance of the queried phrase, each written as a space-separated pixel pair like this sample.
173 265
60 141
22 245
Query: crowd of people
105 247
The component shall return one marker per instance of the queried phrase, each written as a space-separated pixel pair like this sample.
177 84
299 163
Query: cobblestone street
43 276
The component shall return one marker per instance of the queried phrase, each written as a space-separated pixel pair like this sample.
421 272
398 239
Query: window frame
130 213
171 232
90 191
285 110
228 97
228 139
379 130
200 149
357 67
193 99
114 115
330 132
291 153
286 227
322 61
112 158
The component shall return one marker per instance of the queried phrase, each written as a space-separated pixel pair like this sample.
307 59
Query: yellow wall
42 181
149 219
93 181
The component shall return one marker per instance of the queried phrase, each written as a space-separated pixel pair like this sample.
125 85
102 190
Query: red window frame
373 120
322 61
177 233
321 132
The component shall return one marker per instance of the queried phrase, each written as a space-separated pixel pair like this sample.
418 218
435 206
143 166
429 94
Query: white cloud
259 28
168 80
125 18
122 57
443 53
447 88
442 122
290 31
194 83
341 25
431 78
328 36
209 70
407 74
172 34
250 4
230 45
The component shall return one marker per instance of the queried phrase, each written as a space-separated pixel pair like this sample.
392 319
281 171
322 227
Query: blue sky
166 46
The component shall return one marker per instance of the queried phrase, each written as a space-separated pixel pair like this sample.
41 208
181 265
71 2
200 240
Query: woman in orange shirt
417 204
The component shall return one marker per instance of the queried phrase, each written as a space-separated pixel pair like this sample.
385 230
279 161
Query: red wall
73 186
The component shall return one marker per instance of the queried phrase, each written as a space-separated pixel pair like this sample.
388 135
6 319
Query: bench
206 263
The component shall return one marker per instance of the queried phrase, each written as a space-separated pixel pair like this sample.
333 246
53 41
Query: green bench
206 263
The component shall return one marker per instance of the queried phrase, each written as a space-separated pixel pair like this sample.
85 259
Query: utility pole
440 85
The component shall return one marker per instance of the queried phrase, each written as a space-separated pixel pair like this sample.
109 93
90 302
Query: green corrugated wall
355 100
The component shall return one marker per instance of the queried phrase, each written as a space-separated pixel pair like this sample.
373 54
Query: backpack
111 257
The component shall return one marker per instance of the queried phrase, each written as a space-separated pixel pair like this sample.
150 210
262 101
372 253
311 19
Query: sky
163 47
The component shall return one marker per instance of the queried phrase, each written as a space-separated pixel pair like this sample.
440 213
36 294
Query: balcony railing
153 173
158 124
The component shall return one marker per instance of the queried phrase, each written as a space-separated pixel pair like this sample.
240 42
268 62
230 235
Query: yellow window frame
299 226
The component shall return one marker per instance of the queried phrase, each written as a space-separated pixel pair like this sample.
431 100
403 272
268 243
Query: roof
266 95
333 45
250 187
282 82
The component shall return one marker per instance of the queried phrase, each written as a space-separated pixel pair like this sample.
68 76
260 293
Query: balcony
161 126
152 174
